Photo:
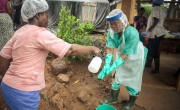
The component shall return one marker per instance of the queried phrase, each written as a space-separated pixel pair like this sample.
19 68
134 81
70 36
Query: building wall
128 7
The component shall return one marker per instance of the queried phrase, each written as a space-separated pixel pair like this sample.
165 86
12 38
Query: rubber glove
145 33
108 60
117 63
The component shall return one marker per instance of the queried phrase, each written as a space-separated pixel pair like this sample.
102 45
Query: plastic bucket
105 107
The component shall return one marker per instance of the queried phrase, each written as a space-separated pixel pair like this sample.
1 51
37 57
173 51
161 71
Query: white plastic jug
95 64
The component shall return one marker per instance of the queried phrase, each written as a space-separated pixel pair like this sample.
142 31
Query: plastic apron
130 73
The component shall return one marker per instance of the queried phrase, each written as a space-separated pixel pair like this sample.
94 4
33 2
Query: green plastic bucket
105 107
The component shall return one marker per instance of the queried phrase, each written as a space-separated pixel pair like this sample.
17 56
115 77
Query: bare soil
81 80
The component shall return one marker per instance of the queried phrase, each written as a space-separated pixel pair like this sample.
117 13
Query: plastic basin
105 107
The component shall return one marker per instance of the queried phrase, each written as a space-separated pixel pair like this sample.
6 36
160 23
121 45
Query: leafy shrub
148 10
71 30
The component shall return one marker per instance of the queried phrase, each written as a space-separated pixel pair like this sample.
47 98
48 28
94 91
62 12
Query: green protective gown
130 73
131 37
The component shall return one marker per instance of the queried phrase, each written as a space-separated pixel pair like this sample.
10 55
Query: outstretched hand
96 51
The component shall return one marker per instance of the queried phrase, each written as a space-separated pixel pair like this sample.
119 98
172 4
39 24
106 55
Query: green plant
148 10
71 30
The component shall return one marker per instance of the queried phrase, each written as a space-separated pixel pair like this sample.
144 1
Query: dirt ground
81 80
159 90
84 91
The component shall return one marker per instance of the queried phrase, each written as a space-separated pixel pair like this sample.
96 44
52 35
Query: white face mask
117 26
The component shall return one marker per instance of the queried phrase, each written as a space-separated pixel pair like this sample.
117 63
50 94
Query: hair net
158 2
117 14
31 7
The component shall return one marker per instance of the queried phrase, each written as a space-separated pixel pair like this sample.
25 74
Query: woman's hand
96 51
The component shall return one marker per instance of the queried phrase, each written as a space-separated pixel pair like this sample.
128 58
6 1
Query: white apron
130 73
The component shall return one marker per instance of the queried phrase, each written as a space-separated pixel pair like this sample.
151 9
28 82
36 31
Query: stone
63 78
57 101
83 96
59 65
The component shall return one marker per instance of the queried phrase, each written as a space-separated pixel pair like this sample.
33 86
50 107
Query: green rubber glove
117 63
108 60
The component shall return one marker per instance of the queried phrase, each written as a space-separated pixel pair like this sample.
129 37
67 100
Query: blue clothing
20 100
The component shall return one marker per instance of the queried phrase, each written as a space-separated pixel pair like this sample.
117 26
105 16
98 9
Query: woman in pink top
25 54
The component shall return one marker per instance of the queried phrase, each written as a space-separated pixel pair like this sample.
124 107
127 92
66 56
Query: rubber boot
130 103
156 63
148 62
113 98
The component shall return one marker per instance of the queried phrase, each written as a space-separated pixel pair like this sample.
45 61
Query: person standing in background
140 23
17 4
6 24
155 32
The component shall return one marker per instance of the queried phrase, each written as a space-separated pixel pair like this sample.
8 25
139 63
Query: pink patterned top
29 48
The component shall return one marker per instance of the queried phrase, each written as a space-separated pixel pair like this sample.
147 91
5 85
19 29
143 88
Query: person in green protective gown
130 58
